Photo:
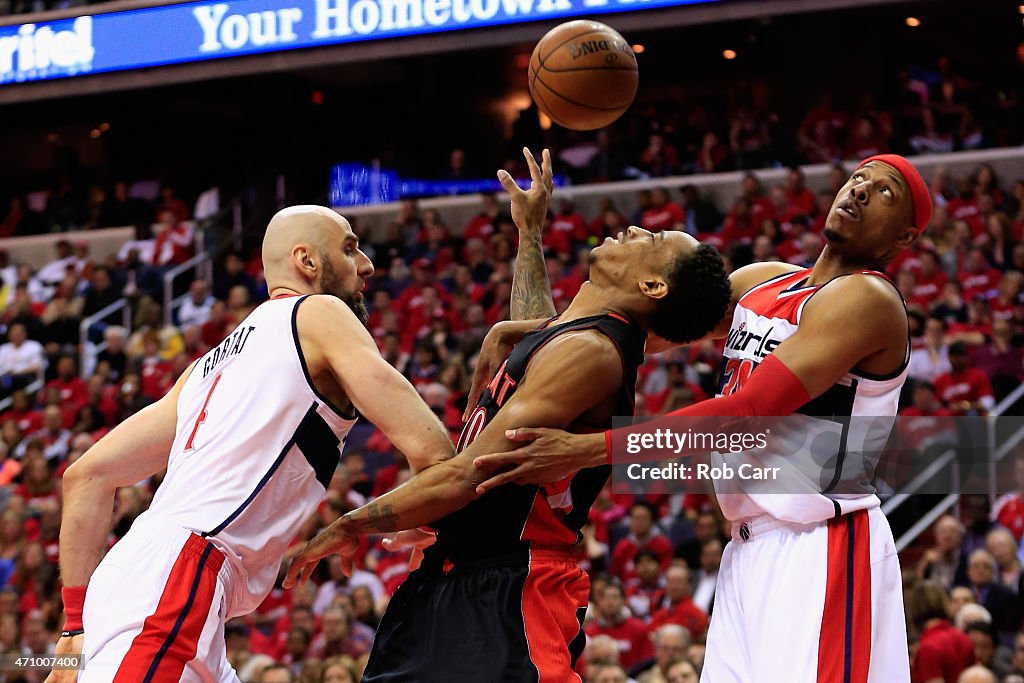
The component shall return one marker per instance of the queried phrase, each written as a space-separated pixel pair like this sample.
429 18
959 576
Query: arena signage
193 31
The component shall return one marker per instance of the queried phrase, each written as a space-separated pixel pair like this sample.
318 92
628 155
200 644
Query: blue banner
355 184
196 31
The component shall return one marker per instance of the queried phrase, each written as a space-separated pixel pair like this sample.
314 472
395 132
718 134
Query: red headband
919 192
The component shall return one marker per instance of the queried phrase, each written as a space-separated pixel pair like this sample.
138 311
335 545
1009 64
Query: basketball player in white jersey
250 436
810 588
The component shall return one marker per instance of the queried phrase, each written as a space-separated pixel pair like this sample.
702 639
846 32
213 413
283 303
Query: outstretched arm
531 291
334 341
568 377
825 347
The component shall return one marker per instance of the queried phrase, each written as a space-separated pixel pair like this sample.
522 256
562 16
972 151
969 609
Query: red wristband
608 445
74 601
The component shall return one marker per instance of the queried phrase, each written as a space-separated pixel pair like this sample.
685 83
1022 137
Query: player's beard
331 284
833 236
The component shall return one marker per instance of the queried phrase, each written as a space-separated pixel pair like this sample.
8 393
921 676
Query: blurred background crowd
197 165
436 292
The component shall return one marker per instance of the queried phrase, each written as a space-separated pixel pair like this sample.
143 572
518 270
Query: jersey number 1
201 418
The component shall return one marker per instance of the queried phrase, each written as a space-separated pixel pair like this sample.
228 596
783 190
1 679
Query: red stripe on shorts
861 655
844 644
554 590
170 635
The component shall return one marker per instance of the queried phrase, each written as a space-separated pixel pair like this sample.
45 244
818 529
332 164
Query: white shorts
154 611
809 603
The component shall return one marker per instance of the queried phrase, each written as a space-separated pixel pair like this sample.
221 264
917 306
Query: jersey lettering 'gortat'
231 346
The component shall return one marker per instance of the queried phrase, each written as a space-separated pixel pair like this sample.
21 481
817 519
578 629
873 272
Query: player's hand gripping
548 455
530 207
70 645
333 539
415 539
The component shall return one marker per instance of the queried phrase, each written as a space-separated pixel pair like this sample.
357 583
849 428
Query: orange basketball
583 75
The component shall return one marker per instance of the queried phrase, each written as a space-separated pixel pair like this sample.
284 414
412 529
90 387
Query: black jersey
508 518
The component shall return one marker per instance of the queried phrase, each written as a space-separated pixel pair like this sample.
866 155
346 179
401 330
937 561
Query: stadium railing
950 500
88 350
203 266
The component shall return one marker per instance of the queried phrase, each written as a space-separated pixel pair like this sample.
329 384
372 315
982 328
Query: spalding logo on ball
583 75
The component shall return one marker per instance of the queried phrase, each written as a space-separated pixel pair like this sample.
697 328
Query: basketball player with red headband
837 345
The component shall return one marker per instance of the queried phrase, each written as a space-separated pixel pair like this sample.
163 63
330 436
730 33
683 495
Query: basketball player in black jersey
499 596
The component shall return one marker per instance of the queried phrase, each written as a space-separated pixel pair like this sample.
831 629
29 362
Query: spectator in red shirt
659 158
741 224
978 277
781 209
678 607
608 222
943 652
713 155
1006 305
675 371
662 214
53 438
174 242
569 222
801 199
930 279
170 202
643 534
647 588
23 413
483 225
74 394
760 205
613 620
965 389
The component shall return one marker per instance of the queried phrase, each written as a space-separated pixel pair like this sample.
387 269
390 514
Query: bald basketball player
250 436
500 596
810 588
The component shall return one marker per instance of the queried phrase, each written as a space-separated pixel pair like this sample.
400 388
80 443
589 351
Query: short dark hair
698 296
647 505
957 349
982 627
924 384
648 553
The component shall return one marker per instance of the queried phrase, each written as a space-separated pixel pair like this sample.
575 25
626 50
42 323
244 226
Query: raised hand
530 207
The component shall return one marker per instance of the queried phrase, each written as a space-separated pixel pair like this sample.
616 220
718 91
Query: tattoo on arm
531 291
379 518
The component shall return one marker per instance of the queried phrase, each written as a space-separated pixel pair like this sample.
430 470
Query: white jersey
255 448
836 477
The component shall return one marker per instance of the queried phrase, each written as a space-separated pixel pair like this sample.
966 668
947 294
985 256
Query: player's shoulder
581 343
323 317
868 296
749 276
588 350
319 308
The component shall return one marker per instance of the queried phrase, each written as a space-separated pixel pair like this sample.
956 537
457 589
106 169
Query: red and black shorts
513 619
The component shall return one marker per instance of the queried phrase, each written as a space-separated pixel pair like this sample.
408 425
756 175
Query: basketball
583 75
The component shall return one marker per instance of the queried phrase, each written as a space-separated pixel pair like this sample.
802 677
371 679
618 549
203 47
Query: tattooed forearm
531 291
376 518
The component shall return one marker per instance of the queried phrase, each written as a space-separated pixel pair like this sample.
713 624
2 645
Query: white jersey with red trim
255 448
820 485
